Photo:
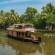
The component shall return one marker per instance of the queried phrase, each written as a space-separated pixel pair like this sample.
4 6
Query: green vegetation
31 15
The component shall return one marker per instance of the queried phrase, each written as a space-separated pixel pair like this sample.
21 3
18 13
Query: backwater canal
10 46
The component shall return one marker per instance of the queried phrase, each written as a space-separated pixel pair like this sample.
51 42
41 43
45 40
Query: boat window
28 34
19 33
16 26
20 27
28 26
22 33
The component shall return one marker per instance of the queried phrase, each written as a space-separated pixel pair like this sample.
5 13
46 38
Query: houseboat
25 32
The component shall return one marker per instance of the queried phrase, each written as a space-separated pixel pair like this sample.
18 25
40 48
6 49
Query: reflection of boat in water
22 48
19 47
24 32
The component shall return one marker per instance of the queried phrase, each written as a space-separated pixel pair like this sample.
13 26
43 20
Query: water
10 46
14 47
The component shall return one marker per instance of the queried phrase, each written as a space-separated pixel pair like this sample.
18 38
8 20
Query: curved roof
30 29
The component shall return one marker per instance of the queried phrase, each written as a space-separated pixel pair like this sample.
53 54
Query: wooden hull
22 36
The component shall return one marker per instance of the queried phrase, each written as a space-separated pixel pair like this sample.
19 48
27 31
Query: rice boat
25 32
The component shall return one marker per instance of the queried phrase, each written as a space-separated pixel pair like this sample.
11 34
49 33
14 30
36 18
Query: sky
21 5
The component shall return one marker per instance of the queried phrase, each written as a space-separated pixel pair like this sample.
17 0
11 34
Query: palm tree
48 8
13 15
48 12
31 12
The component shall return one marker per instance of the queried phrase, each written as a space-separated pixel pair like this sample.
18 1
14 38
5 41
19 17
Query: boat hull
23 36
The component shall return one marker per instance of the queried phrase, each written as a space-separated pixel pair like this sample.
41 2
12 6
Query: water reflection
13 47
6 50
